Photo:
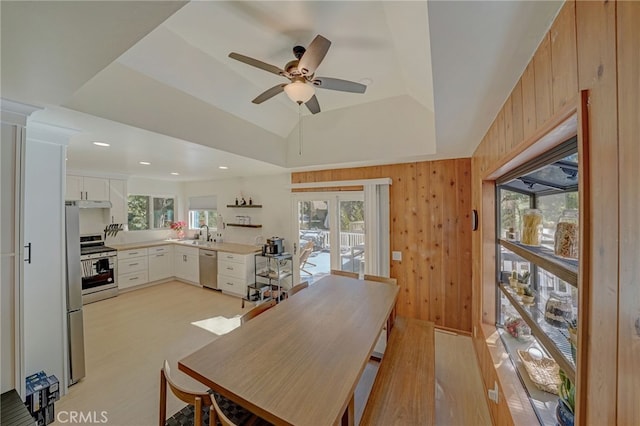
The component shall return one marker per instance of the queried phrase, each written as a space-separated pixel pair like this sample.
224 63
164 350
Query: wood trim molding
342 183
557 129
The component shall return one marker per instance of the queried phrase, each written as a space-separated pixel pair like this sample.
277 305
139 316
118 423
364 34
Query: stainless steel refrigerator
75 328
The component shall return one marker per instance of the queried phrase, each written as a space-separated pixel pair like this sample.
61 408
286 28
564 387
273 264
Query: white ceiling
154 80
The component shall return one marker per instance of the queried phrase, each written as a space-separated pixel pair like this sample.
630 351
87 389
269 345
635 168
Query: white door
330 229
44 294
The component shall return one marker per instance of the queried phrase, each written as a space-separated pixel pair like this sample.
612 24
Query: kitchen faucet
208 233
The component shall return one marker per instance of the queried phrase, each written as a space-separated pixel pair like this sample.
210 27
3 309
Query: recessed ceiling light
175 173
145 163
223 167
101 144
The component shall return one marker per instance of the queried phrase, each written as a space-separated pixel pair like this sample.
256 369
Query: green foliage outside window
147 212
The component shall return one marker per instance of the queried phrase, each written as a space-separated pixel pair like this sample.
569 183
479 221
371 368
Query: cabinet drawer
159 249
232 269
187 250
232 257
132 279
126 266
128 254
232 285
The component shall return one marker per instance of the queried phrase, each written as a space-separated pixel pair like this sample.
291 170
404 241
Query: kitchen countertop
226 247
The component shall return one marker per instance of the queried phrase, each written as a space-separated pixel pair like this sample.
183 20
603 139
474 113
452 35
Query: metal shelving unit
273 272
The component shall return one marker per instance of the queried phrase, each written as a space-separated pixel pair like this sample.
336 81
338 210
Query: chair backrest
306 251
296 288
344 273
219 414
197 399
257 310
381 279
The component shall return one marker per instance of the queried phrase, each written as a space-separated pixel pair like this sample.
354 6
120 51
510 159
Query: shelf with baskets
245 206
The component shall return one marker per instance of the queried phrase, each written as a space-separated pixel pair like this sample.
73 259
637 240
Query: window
198 218
147 212
203 211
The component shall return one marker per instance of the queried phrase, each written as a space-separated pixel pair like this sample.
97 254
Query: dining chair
344 273
296 288
257 311
221 414
304 257
199 400
220 407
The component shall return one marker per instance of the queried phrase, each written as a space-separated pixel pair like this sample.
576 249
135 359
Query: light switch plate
396 255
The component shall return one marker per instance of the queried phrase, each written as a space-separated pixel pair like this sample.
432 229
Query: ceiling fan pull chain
300 129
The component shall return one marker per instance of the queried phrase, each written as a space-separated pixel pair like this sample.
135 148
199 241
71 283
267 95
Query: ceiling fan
301 73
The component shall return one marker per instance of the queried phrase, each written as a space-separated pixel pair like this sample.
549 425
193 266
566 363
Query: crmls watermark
82 417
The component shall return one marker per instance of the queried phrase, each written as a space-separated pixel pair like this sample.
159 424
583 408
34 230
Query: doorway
331 233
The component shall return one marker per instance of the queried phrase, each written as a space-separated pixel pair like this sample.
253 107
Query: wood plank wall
592 45
628 21
430 209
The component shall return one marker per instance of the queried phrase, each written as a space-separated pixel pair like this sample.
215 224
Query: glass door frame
333 199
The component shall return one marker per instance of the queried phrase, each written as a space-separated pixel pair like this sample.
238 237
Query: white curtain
376 213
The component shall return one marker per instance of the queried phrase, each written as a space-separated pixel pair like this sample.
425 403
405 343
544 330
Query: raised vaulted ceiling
439 71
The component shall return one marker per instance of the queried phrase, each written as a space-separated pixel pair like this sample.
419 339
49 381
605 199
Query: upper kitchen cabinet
87 188
118 198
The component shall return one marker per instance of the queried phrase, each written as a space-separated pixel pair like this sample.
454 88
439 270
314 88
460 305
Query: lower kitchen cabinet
132 268
186 264
235 273
160 262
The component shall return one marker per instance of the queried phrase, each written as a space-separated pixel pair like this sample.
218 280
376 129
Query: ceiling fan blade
258 64
313 105
269 93
314 55
337 84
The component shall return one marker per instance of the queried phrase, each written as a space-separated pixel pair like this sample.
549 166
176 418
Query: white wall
269 191
395 129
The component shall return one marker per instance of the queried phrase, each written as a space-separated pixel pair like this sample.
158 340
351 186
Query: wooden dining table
299 362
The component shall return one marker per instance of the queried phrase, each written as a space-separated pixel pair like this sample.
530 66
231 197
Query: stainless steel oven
99 269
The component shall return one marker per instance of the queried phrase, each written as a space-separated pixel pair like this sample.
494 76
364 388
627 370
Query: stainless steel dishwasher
208 268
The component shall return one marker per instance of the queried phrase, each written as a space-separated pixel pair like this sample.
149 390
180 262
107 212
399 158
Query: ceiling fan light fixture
299 92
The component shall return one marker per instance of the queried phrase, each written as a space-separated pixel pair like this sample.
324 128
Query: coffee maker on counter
274 246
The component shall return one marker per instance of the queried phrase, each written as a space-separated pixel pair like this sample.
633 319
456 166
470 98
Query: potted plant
566 402
523 281
528 295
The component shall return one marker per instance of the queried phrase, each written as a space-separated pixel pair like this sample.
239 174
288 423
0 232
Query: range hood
90 204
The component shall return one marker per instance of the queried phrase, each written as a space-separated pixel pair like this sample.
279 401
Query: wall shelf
565 269
554 340
242 225
247 206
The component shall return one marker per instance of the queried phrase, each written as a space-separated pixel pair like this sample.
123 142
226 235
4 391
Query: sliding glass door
330 229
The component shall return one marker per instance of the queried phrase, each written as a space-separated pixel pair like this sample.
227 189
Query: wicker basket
544 372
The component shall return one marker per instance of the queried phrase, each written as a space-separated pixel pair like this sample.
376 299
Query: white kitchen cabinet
160 263
118 198
86 188
186 264
235 272
133 268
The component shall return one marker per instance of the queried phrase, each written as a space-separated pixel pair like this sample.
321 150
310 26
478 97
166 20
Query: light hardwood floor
128 337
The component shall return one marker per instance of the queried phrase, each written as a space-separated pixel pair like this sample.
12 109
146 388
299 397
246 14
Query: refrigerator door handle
28 258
